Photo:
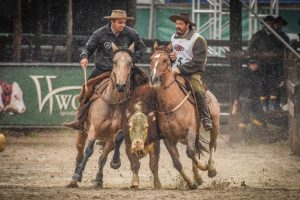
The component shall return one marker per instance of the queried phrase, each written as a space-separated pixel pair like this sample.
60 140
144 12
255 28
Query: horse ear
155 45
114 47
131 48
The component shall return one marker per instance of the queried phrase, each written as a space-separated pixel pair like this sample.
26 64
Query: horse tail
201 144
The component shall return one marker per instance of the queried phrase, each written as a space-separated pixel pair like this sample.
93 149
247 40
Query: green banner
49 93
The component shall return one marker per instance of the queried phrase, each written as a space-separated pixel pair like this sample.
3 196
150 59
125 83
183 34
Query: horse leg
212 172
135 166
115 163
173 151
109 146
80 144
190 150
153 164
77 176
197 176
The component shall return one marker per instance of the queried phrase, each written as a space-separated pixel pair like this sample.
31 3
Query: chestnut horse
177 117
106 115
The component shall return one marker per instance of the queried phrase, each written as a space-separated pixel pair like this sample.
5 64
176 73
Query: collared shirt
101 43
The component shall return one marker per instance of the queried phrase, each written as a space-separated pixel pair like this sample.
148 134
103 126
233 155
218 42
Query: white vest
184 49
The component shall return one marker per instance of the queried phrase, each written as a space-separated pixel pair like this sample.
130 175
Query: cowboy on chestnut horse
189 57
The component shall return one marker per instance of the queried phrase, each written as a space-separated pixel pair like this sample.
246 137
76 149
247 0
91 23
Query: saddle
97 85
185 86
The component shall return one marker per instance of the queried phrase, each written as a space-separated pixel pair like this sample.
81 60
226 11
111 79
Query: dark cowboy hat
269 18
182 16
280 19
252 60
118 14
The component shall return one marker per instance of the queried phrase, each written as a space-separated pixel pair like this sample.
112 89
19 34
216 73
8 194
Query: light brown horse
177 117
105 115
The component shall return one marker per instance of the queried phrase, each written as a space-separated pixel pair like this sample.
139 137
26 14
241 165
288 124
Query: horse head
122 63
160 65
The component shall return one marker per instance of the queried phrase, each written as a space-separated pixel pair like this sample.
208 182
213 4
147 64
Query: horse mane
163 48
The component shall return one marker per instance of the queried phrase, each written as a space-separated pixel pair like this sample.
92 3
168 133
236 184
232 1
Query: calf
11 100
141 133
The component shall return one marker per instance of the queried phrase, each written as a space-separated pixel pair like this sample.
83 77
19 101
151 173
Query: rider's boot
82 112
203 111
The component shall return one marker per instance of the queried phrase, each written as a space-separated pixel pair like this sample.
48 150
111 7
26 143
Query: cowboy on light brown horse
106 114
101 42
177 116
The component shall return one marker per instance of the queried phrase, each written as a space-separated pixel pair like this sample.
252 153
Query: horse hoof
115 165
134 186
77 177
157 186
98 185
199 181
194 186
212 173
72 184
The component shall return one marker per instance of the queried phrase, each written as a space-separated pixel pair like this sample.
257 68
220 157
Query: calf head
16 104
138 129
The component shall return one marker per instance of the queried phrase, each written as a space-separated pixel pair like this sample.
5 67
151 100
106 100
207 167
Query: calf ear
114 47
151 116
127 113
131 48
155 45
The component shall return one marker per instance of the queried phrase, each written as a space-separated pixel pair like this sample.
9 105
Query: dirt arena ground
40 165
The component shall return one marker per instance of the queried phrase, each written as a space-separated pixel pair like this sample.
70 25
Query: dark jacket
101 42
249 84
262 46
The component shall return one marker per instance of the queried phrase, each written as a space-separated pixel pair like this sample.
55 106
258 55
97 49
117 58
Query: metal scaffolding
215 25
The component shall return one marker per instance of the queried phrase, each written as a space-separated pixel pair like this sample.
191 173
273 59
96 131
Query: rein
112 79
168 86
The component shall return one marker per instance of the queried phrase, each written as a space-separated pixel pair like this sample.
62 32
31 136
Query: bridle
168 86
167 68
113 80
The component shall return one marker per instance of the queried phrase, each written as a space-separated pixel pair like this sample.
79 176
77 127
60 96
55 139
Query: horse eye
114 62
16 97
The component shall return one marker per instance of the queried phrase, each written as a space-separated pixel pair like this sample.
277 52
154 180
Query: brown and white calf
141 133
11 98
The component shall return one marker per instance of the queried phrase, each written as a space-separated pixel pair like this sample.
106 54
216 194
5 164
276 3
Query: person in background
249 87
263 47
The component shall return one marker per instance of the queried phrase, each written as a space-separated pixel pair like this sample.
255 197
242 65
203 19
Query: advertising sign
39 95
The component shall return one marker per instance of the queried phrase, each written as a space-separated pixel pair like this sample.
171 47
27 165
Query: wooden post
17 38
69 31
293 90
235 62
38 30
131 11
